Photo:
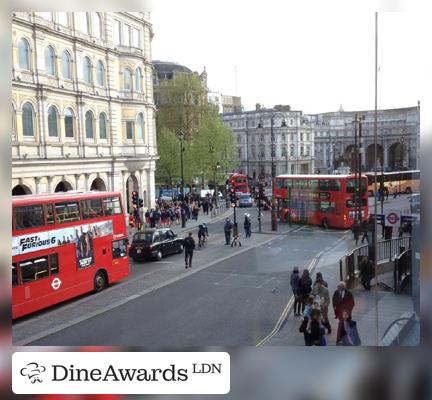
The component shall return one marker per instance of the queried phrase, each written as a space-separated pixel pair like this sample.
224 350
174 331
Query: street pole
247 147
354 160
273 210
183 218
359 170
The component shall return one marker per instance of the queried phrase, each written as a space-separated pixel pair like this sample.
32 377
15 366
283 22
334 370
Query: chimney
257 107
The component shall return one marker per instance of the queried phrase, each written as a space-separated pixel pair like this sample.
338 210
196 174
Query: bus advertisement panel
326 200
64 245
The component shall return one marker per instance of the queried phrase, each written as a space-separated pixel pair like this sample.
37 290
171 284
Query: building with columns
398 139
82 103
292 145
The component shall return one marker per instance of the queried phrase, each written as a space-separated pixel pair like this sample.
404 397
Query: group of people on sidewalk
312 302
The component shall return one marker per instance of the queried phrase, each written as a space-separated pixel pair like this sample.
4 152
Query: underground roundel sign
55 284
392 218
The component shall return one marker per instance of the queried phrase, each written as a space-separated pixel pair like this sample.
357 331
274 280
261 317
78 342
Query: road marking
290 303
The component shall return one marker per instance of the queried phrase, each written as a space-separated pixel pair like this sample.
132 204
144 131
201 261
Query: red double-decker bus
64 245
326 200
239 183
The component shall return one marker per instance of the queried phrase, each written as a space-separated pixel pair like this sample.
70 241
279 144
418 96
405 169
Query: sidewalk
387 306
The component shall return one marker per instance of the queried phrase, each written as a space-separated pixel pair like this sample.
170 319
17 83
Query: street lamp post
215 189
272 147
182 136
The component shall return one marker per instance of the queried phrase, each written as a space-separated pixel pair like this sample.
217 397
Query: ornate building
82 103
292 145
398 139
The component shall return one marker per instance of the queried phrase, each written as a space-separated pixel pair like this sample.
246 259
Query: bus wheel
159 256
408 190
100 281
325 223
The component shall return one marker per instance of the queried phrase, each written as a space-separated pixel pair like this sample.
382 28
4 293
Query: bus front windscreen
352 183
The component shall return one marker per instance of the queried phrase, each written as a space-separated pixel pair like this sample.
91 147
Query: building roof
167 67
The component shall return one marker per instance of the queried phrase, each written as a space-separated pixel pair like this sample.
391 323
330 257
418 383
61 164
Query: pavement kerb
118 303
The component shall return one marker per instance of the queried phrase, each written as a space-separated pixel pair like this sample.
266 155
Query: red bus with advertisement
239 182
64 245
326 200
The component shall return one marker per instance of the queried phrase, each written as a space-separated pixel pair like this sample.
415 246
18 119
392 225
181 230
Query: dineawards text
112 374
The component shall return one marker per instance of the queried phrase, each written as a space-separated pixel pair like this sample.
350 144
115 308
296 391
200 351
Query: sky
314 56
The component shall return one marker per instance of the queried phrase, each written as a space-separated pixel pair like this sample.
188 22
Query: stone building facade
398 139
82 103
292 144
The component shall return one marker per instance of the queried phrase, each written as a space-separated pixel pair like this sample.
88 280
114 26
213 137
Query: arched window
87 70
102 126
127 84
69 123
140 127
66 65
27 119
97 25
138 80
24 54
63 18
52 122
89 125
49 61
100 73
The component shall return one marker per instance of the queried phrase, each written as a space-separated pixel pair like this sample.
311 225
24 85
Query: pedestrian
152 218
367 272
322 293
365 230
357 230
305 287
308 307
312 330
189 246
147 218
386 192
247 226
131 221
295 284
343 300
320 276
227 229
347 331
395 192
201 236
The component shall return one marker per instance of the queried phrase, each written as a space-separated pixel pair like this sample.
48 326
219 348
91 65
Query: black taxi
154 244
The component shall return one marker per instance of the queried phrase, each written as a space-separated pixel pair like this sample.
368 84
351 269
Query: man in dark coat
342 300
295 286
189 246
365 229
227 229
367 272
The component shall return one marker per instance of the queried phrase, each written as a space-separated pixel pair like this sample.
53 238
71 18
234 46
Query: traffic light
141 203
135 198
232 196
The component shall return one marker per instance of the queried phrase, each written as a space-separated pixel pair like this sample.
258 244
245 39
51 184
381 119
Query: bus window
280 183
14 275
327 206
313 206
323 184
67 212
33 270
91 208
49 214
313 184
28 217
112 206
303 184
334 185
54 266
119 248
350 203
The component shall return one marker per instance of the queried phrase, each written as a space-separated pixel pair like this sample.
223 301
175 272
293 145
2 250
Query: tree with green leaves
168 166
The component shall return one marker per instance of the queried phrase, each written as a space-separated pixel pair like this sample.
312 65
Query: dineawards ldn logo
121 373
33 371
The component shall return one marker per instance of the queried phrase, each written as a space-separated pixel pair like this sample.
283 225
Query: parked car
155 244
245 200
415 203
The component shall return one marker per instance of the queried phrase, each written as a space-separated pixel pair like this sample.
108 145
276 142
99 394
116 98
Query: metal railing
386 250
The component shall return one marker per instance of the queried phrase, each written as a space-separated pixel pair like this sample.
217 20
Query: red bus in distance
64 245
326 200
239 183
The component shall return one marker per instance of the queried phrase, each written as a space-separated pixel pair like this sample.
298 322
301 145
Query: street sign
393 218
